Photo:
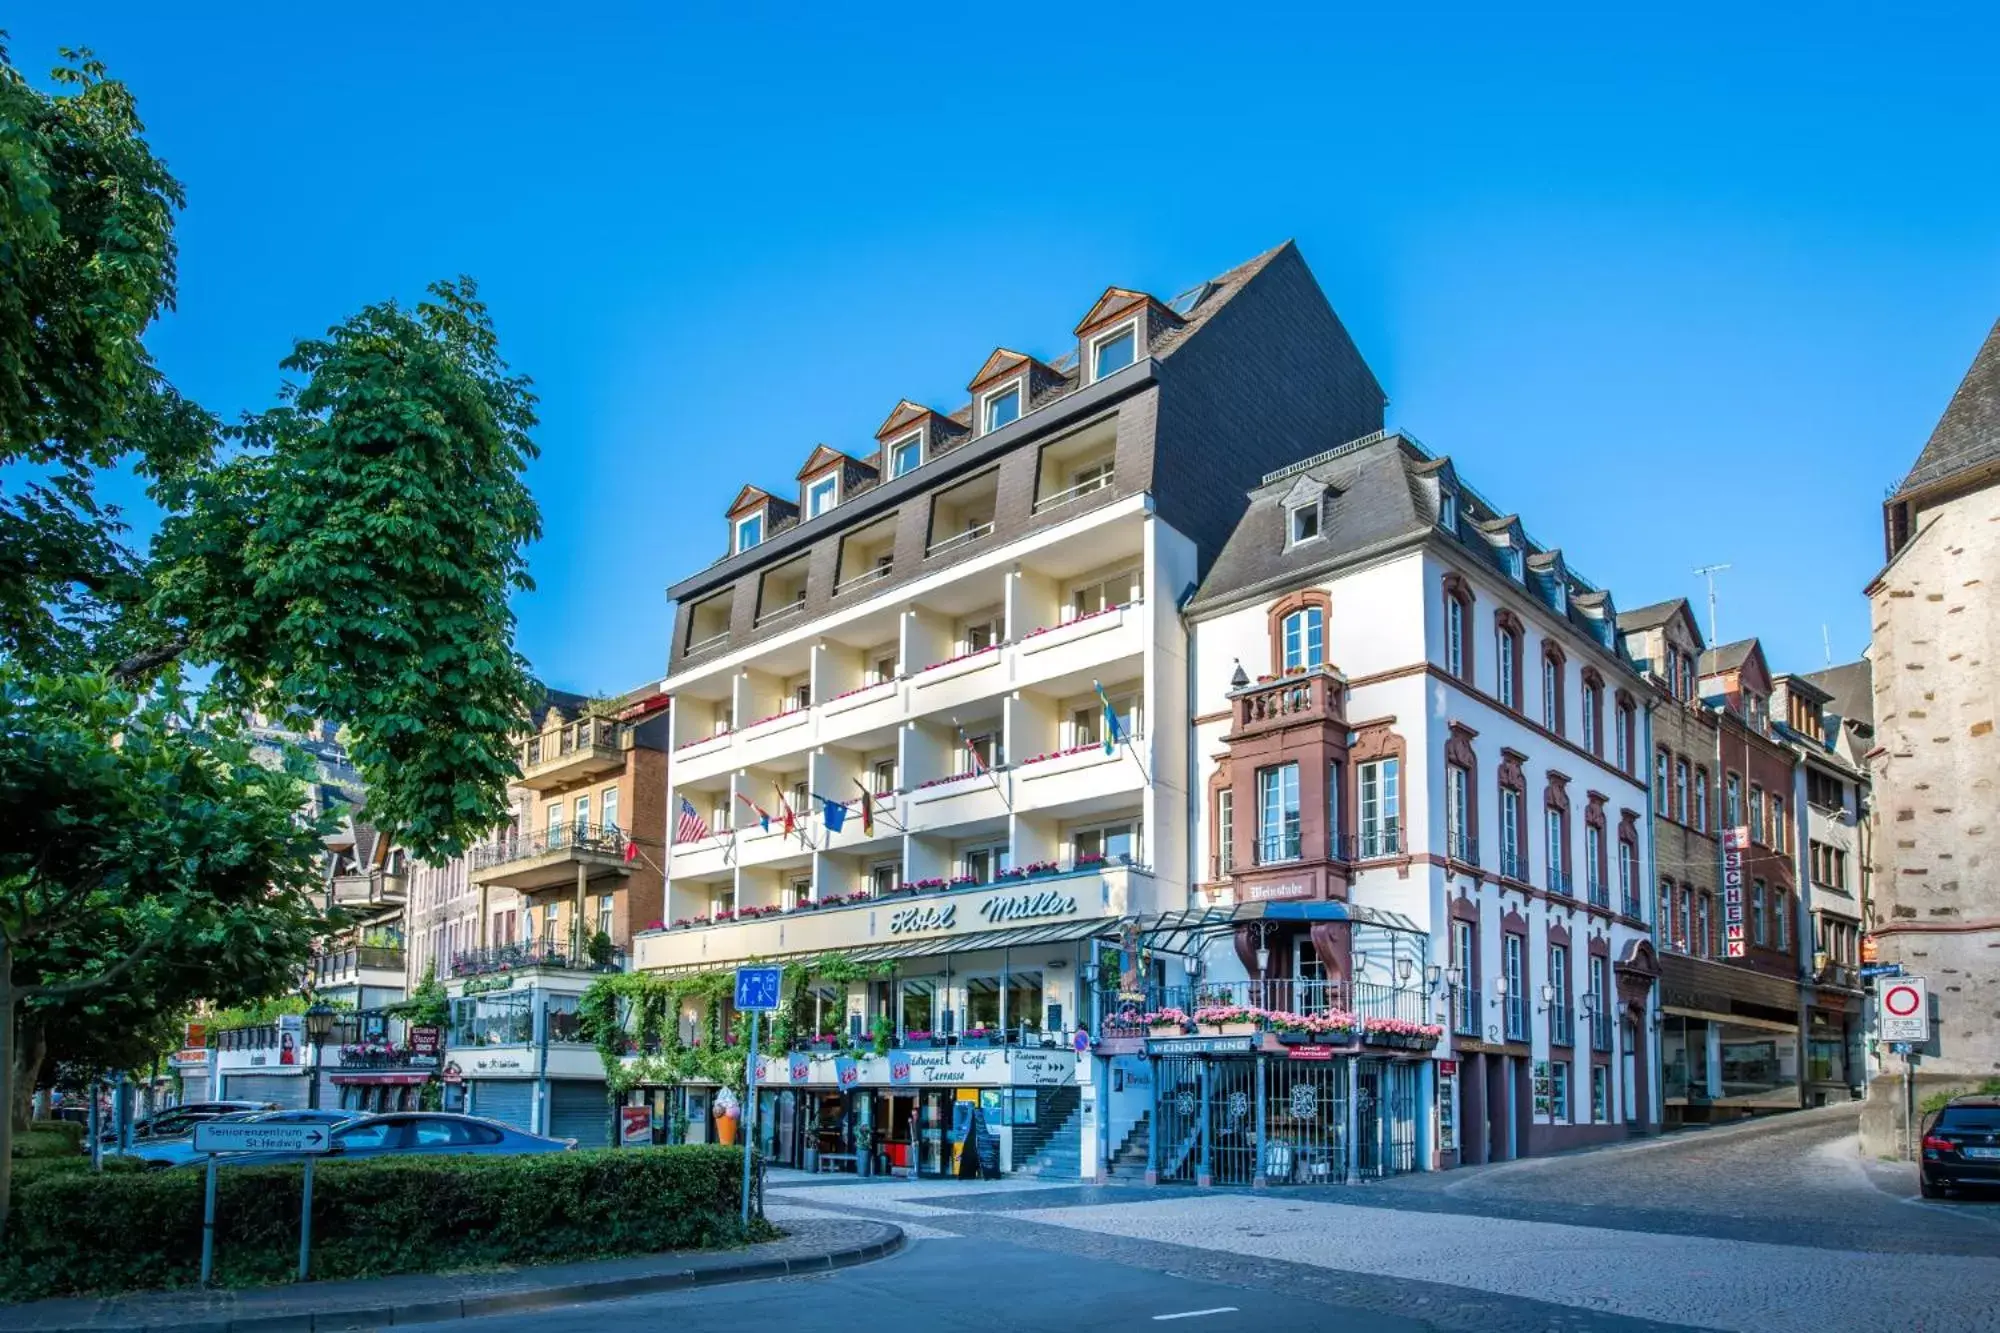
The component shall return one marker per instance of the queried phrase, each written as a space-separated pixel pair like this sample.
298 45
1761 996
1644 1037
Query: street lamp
319 1024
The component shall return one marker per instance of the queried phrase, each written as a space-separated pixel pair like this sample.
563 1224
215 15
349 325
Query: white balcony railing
1076 492
958 539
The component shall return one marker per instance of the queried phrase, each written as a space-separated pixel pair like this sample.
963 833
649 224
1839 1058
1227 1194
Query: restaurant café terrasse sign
1027 905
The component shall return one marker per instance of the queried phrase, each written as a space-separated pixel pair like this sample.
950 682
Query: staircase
1052 1147
1128 1159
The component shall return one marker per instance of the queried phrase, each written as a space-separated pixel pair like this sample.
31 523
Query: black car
1962 1147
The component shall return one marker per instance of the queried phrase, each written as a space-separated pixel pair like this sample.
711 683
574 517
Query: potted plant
919 1038
1168 1022
976 1037
1227 1020
823 1042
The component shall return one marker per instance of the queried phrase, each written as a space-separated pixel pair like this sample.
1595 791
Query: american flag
690 828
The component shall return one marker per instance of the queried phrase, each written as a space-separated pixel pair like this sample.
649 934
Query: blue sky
1682 286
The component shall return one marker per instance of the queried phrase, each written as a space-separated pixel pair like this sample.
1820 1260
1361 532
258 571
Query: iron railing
1562 1026
1119 1011
1378 840
1600 1032
1462 847
1513 864
331 967
1562 881
530 954
1599 891
604 839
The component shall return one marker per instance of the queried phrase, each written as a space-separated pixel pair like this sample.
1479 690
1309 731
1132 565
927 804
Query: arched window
1458 627
1552 688
1305 639
1507 649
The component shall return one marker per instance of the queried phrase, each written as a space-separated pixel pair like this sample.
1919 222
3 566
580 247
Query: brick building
1936 765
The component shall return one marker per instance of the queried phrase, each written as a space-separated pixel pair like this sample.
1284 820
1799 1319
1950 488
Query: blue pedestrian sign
757 988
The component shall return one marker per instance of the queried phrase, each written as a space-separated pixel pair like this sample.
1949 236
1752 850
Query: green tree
346 554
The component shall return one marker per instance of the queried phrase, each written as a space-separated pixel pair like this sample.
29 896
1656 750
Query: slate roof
1727 657
1968 434
1374 504
1379 496
1647 617
1852 686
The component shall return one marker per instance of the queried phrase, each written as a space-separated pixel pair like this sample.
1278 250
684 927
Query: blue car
412 1133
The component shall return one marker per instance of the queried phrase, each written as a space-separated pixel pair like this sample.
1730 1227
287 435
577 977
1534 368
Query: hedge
86 1234
69 1129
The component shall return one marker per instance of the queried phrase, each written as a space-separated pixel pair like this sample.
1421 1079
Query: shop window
1559 1091
1024 1002
1600 1095
982 1003
919 1006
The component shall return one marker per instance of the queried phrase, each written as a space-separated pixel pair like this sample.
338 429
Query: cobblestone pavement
1773 1227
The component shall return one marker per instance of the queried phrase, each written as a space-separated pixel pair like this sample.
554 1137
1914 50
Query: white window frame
1102 831
1556 834
1304 617
607 809
1592 700
1457 811
993 858
1505 650
755 520
1448 509
897 447
1225 830
1111 335
1112 590
1551 692
813 489
1379 818
1280 828
1297 512
1017 386
1454 636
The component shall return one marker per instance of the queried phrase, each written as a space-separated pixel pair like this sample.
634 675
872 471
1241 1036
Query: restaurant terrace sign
924 918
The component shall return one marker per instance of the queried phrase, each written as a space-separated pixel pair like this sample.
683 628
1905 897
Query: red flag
631 850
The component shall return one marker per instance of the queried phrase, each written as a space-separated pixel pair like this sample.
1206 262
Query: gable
823 457
747 499
906 416
1116 303
1002 363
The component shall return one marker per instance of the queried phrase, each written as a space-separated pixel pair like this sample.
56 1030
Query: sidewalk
812 1245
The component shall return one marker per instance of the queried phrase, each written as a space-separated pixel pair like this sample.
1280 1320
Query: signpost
1903 1011
211 1138
1903 1019
756 993
1870 971
1734 840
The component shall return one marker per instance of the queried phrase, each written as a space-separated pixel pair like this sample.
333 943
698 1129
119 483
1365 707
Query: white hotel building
930 621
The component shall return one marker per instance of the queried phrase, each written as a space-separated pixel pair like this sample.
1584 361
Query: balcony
362 965
1562 1027
1513 865
572 753
1123 1014
1600 892
368 888
506 958
1299 699
1562 882
971 533
1600 1032
551 859
1462 847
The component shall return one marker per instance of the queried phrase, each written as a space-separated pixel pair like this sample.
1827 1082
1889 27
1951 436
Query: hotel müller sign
923 918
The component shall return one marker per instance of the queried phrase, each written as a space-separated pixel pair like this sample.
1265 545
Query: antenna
1709 572
1826 643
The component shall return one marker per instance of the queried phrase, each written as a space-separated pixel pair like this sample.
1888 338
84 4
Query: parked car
179 1150
418 1133
178 1120
1962 1147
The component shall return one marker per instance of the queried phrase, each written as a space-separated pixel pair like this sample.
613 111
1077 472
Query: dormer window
1114 351
1559 595
822 495
1516 564
1302 523
906 455
749 531
1002 407
1448 511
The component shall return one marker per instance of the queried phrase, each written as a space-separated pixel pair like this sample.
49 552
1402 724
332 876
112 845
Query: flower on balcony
949 777
1089 859
1031 868
917 1034
979 1033
1077 620
1047 755
719 731
804 905
656 925
722 914
1325 1023
1227 1013
976 652
862 689
1401 1027
962 882
1163 1017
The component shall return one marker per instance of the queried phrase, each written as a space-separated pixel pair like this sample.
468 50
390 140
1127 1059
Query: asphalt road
1781 1228
959 1283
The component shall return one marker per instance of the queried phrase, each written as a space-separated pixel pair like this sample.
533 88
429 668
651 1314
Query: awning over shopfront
1184 932
932 946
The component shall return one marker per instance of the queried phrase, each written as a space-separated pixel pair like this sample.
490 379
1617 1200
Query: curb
515 1302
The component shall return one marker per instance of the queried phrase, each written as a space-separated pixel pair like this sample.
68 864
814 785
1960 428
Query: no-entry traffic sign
1903 1010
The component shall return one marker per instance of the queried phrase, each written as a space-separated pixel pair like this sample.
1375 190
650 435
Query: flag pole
1114 732
991 774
